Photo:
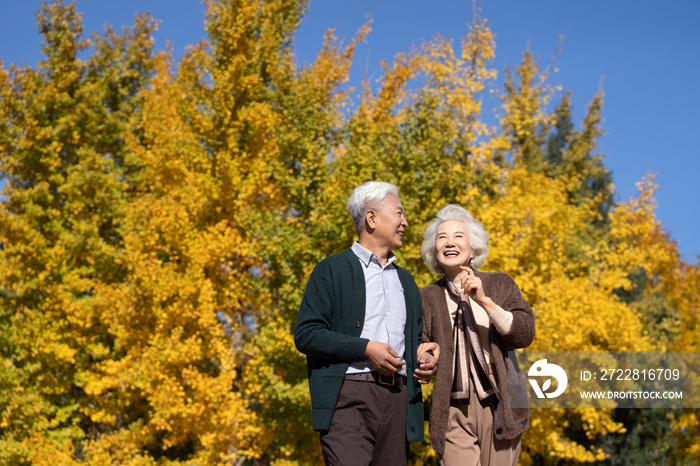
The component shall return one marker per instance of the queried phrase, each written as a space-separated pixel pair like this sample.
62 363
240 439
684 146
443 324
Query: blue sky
646 55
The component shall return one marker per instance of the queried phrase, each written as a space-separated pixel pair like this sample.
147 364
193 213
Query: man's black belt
376 377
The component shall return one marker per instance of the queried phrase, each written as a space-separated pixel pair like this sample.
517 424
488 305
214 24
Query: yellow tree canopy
159 222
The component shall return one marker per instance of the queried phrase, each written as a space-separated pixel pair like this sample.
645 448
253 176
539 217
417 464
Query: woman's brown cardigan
437 327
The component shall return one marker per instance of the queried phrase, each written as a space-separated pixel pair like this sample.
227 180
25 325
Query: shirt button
499 431
357 324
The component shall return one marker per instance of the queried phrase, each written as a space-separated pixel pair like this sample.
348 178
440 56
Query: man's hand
427 363
383 358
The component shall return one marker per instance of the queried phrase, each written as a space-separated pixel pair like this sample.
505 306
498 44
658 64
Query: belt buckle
383 382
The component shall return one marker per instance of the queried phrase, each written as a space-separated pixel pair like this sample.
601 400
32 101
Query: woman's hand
429 346
472 286
427 363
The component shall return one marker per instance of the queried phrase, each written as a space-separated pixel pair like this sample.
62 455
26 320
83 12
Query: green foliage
549 142
648 439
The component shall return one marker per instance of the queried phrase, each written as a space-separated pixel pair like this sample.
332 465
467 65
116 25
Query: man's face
390 223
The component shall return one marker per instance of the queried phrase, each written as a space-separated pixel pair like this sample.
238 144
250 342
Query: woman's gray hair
371 195
478 237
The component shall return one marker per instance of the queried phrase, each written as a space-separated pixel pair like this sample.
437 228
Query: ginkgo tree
160 219
68 175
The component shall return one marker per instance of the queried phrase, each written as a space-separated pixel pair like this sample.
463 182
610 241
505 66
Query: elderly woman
478 410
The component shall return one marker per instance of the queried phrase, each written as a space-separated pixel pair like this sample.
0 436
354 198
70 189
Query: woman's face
452 246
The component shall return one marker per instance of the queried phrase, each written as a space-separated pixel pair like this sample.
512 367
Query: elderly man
360 324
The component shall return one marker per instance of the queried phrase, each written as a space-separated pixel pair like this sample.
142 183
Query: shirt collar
457 282
454 287
367 257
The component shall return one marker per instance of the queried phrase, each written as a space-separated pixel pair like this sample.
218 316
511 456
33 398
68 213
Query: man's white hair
478 237
371 195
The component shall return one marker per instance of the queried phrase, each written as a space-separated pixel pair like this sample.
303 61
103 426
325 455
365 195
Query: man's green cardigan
328 330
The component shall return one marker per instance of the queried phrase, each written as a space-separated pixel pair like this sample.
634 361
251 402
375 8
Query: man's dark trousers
368 427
